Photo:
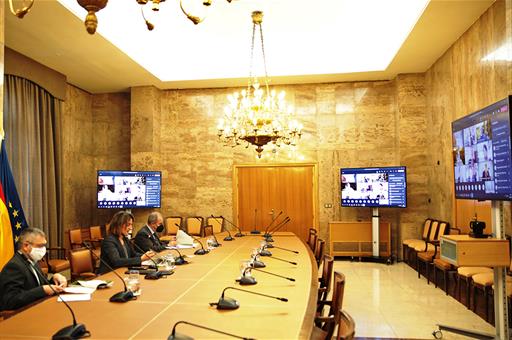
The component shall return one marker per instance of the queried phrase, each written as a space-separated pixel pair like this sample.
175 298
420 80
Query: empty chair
96 234
465 274
312 239
75 238
170 224
432 250
325 279
325 325
424 245
346 327
446 268
319 251
56 260
409 242
216 222
195 225
81 264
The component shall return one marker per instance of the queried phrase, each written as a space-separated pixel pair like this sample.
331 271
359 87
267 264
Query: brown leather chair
346 327
56 259
325 279
216 222
82 265
96 235
170 224
325 325
319 251
195 225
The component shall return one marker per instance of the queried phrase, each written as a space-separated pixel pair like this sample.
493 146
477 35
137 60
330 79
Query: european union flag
12 218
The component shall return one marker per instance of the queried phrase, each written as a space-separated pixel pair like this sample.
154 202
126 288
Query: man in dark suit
147 237
21 281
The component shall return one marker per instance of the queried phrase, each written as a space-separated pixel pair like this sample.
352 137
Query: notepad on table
74 297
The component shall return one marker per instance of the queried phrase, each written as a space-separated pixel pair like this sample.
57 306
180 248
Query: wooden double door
262 192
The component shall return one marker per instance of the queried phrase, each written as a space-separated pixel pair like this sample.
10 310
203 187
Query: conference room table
186 295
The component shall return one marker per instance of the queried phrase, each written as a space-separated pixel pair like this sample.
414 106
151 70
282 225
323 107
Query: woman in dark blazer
116 249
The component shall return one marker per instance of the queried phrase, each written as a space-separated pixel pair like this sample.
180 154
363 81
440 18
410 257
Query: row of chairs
193 225
329 314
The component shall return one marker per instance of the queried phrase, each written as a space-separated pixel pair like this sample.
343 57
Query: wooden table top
186 295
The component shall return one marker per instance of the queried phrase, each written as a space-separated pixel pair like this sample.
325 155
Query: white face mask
36 254
129 235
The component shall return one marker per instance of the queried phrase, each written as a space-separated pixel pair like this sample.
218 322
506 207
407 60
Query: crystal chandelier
93 6
257 115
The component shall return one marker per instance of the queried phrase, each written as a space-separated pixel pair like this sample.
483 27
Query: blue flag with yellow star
12 219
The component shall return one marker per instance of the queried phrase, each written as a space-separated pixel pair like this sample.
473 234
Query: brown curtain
32 124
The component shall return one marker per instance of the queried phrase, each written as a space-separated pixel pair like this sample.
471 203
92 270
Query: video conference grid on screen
374 187
481 153
129 189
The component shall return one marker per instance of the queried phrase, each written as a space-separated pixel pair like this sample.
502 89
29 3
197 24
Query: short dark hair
28 234
118 220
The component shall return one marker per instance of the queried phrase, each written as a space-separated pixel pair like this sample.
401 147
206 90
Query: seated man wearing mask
146 237
21 281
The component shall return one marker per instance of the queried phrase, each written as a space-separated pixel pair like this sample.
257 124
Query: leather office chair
346 327
170 224
410 242
433 249
195 225
325 325
82 265
319 251
325 279
56 259
216 222
96 235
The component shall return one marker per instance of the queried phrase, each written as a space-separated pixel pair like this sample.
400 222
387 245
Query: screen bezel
374 168
130 171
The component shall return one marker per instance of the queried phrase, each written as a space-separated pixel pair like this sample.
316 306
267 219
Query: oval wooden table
186 295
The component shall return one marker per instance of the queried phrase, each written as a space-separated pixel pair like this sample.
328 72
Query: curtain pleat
32 123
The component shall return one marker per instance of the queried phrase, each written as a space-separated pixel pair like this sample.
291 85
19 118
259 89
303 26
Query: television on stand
374 187
119 189
482 159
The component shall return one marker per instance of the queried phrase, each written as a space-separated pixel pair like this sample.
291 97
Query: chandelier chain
264 57
249 83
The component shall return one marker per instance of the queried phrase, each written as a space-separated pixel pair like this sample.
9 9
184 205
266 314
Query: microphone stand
250 280
180 260
255 231
227 303
276 228
201 251
76 330
266 234
227 238
158 273
279 259
239 234
177 336
216 244
290 250
264 252
123 296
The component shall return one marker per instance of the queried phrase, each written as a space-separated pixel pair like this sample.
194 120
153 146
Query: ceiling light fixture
93 6
257 115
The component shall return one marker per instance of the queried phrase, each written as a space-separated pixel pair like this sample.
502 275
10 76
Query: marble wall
96 135
462 81
345 125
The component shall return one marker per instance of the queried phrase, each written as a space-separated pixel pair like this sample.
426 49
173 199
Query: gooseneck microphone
180 260
230 303
266 234
227 238
263 251
123 296
177 336
239 233
279 259
251 280
255 231
290 250
156 274
76 330
276 228
201 251
216 242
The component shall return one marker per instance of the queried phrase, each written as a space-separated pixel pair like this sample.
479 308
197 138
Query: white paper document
74 297
79 290
95 283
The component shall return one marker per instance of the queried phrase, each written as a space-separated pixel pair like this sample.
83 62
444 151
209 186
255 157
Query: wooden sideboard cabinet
355 239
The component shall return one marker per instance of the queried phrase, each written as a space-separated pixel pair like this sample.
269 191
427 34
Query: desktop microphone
76 330
239 234
263 251
255 231
201 251
290 250
251 280
227 238
177 336
229 303
255 262
215 241
158 273
279 259
123 296
276 228
266 234
180 260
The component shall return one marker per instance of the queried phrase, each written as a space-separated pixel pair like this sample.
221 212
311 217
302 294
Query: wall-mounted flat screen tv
129 189
384 187
482 154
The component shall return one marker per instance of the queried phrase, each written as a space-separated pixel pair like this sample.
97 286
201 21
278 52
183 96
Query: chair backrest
207 230
312 238
434 227
170 224
336 303
80 261
194 225
75 238
95 232
216 222
346 327
319 251
426 228
325 280
443 229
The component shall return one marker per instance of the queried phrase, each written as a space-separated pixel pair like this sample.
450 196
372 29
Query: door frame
236 167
